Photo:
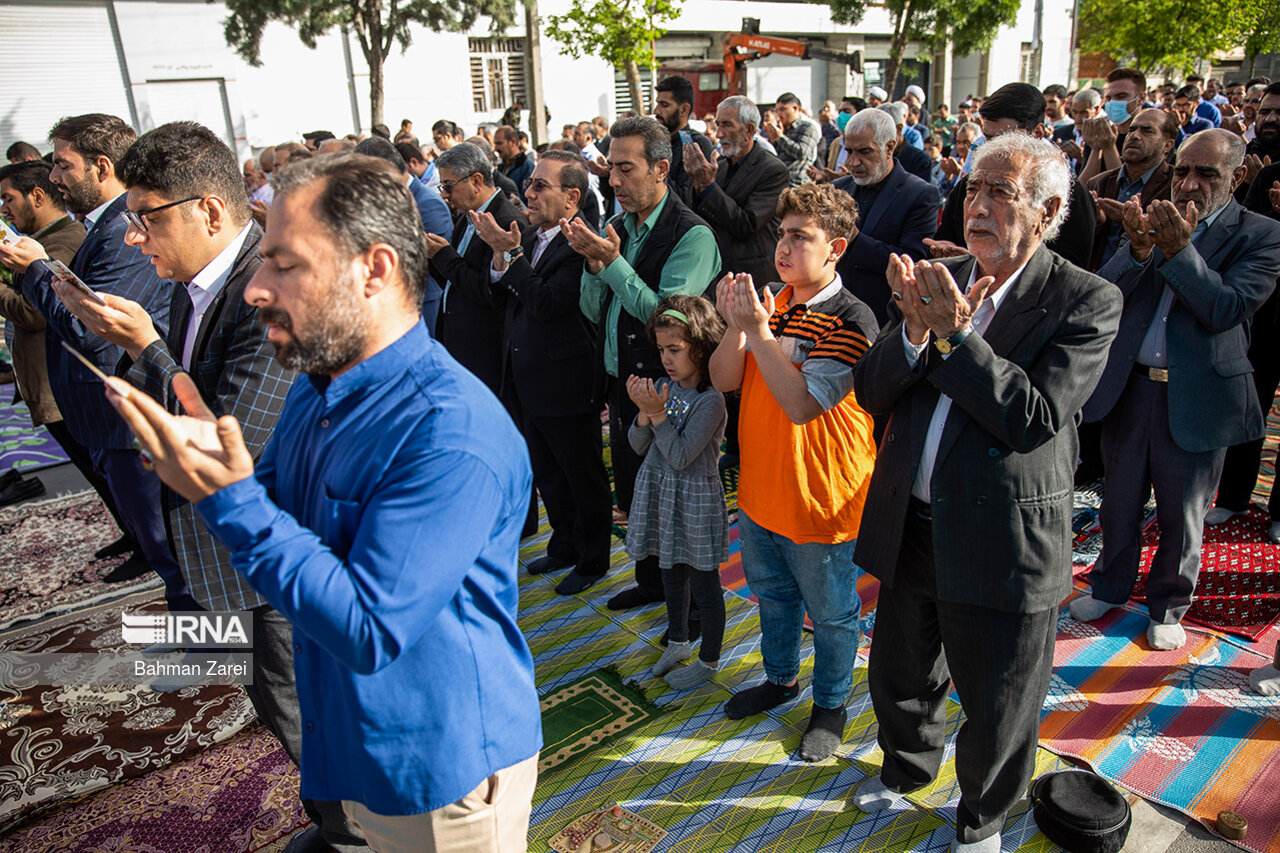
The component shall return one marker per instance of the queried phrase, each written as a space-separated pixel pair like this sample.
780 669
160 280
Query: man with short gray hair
738 195
896 210
1010 322
913 159
469 324
1178 388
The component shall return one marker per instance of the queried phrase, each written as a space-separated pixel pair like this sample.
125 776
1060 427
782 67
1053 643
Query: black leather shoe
547 563
21 490
8 478
575 583
131 568
126 544
632 597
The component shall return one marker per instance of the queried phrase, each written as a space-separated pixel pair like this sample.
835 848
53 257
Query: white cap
917 91
877 92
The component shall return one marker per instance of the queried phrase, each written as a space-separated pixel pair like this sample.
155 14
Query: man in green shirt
656 248
944 125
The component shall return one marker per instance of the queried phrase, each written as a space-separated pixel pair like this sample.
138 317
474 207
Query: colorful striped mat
22 446
720 785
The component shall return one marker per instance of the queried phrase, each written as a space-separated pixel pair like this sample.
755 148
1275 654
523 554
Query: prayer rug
583 715
23 446
1180 728
63 742
47 565
236 796
1238 590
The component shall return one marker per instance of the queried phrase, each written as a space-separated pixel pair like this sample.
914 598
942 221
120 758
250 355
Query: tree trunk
633 86
896 49
375 91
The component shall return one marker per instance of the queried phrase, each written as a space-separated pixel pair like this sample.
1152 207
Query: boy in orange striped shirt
807 456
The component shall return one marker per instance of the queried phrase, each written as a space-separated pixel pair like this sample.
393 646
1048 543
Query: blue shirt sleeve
415 540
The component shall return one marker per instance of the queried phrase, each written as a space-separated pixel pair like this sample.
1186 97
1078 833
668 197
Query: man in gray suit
982 370
1178 388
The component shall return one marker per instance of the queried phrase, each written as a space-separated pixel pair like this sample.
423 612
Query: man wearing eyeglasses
85 152
188 215
549 368
470 322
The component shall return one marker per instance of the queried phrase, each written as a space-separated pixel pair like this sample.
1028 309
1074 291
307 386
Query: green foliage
1264 34
617 31
1170 34
969 25
378 24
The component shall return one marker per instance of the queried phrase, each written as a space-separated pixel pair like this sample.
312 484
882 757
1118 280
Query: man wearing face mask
1121 99
1193 272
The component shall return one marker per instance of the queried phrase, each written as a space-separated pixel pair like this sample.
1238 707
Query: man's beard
80 197
337 336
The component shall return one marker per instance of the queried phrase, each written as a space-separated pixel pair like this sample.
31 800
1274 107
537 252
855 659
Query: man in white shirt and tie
968 516
549 362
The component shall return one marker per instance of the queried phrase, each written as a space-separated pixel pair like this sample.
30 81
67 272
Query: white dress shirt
204 287
91 218
981 320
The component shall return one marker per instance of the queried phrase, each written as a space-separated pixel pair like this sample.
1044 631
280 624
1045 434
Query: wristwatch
508 257
946 345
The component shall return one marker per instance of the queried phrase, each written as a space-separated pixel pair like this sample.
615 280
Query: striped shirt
808 482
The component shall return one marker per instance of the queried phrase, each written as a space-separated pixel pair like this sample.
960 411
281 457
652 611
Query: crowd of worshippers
893 323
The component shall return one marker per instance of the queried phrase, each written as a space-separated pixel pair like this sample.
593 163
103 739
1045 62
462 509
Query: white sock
875 797
673 656
1165 638
690 676
1265 680
1088 608
990 844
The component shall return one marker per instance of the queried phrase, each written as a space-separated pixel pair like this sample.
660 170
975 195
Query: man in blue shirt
1184 105
383 520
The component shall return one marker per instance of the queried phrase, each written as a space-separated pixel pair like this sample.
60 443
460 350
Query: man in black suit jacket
896 210
738 195
1178 389
982 371
470 322
550 369
1017 108
216 347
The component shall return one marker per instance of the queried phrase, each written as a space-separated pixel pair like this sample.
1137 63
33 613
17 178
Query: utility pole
533 62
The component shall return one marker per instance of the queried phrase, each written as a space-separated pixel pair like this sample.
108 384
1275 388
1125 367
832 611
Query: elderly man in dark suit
470 321
896 210
1178 389
982 371
550 368
738 195
85 151
218 340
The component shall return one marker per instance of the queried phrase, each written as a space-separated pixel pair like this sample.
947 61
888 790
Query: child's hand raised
651 402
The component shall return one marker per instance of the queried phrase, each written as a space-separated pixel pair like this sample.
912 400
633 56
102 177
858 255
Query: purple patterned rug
46 558
61 743
240 796
22 446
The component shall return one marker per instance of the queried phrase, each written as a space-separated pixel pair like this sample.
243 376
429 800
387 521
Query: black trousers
1240 470
683 583
79 456
274 695
566 453
626 464
1000 663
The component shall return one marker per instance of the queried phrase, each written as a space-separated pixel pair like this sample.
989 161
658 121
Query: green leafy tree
378 24
967 25
1164 34
1263 36
620 32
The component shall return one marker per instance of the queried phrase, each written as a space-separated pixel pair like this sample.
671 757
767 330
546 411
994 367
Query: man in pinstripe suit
85 152
199 232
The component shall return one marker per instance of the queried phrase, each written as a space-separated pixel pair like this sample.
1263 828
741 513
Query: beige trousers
494 818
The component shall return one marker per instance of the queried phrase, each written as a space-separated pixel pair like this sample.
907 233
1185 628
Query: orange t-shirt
809 482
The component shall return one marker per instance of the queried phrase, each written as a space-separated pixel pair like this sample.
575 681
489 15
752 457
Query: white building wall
174 53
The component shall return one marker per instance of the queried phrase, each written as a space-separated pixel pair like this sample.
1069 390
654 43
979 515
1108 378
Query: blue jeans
789 578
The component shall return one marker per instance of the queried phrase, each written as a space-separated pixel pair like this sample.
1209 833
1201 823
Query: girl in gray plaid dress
678 516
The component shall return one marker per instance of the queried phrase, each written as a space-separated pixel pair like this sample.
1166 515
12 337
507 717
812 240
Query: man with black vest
655 248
